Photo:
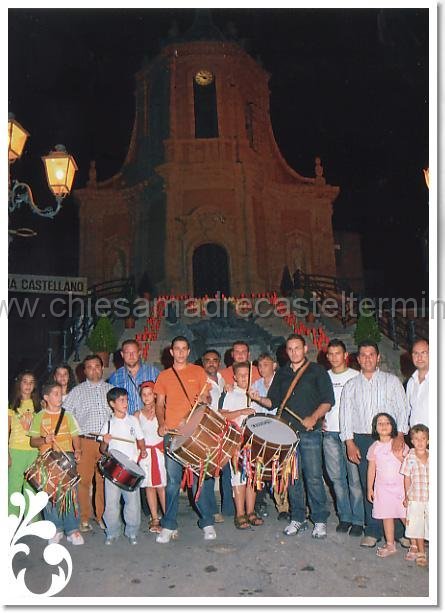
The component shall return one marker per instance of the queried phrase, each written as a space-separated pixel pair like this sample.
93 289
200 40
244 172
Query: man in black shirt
310 400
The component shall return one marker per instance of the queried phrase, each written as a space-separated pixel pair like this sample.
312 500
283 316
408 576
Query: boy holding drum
122 426
52 428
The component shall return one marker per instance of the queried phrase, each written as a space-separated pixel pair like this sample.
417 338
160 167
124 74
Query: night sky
348 85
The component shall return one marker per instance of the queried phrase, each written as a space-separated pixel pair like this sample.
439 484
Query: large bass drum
271 442
206 441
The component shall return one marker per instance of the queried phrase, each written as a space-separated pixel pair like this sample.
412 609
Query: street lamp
60 168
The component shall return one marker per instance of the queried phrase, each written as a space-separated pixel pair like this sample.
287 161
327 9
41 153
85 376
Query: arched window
206 114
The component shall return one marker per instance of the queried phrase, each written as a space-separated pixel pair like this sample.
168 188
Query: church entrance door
210 270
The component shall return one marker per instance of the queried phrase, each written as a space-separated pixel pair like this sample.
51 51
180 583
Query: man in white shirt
343 474
371 392
211 361
267 367
417 387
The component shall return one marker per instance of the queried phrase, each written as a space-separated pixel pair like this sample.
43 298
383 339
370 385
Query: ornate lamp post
60 168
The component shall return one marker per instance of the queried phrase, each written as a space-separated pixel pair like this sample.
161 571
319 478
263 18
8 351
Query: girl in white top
154 465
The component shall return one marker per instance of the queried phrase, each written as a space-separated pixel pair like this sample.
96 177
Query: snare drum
123 472
270 441
207 440
53 472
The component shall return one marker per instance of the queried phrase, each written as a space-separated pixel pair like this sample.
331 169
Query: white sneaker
56 538
166 535
319 531
75 538
295 527
209 533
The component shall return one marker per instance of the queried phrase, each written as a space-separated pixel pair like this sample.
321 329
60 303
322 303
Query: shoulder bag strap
292 386
182 385
130 376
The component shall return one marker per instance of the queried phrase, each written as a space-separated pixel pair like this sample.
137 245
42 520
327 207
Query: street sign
37 284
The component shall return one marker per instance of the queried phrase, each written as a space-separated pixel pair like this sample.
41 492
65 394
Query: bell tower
204 186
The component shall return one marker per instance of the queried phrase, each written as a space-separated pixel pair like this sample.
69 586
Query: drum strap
182 385
59 421
291 388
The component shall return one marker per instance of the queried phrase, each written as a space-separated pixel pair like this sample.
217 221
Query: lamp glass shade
60 169
17 136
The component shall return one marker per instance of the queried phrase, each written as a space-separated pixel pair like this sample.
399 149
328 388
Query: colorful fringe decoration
202 473
259 473
246 463
187 478
275 463
219 452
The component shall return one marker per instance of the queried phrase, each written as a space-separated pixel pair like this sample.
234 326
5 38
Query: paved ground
261 562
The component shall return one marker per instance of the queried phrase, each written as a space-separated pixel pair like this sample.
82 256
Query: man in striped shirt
371 392
88 403
132 374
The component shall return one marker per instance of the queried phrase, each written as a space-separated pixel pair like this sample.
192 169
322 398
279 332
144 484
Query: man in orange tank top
173 405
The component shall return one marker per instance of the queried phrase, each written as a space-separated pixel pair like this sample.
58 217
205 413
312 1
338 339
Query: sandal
412 552
254 520
421 560
387 550
155 525
241 522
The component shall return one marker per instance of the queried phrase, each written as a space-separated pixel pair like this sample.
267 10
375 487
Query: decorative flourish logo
53 554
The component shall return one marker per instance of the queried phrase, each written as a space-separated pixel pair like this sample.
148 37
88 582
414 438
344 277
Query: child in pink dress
385 483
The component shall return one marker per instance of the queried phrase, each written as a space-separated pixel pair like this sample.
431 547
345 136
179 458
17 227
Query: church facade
205 201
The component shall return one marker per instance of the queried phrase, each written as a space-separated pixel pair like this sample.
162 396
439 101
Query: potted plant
103 339
367 328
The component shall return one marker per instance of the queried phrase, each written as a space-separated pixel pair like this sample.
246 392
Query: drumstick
294 415
196 402
116 438
248 385
58 446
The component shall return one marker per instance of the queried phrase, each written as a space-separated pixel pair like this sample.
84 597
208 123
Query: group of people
369 434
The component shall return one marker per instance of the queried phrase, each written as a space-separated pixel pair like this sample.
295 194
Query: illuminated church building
204 200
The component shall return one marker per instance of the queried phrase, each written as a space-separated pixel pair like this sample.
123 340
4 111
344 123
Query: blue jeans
225 484
345 479
373 527
225 491
309 456
67 522
112 513
206 501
